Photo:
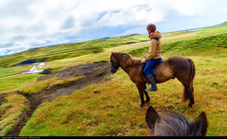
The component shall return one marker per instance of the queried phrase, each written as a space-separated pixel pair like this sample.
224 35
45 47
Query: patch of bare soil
2 98
91 73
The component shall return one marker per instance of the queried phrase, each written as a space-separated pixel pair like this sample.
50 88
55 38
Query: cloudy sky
26 24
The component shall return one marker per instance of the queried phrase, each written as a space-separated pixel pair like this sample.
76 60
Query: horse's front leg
146 94
141 89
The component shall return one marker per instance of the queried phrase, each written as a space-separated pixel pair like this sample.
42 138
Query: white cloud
193 7
132 15
30 23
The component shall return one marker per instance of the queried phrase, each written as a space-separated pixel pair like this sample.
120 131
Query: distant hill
167 34
105 38
130 35
220 25
201 28
69 50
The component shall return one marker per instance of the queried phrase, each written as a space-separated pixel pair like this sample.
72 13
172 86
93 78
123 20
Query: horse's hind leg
191 97
189 94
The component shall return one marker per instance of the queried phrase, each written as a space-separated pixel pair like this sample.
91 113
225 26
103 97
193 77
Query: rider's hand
143 60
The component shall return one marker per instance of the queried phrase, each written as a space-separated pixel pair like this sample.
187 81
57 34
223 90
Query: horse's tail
189 92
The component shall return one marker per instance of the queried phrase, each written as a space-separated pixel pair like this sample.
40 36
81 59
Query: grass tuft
35 86
11 111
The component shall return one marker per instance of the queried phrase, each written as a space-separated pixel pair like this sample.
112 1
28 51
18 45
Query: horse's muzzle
113 70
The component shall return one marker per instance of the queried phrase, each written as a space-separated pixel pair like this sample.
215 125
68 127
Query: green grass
114 111
13 70
35 86
214 45
11 111
198 45
87 114
11 84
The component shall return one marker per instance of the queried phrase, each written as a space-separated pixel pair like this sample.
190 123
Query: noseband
113 63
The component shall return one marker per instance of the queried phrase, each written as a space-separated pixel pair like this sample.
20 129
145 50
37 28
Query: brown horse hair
188 92
125 59
131 65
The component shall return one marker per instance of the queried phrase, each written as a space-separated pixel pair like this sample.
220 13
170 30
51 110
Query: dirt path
91 73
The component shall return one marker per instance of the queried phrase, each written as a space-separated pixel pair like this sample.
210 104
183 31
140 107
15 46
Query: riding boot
150 79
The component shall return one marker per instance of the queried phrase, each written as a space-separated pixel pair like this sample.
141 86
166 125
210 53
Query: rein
133 66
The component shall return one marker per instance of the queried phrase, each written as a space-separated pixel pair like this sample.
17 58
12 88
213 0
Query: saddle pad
152 70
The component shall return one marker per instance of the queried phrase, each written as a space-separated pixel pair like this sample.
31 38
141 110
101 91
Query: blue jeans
150 65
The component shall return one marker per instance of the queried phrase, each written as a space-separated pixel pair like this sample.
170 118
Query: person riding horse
153 55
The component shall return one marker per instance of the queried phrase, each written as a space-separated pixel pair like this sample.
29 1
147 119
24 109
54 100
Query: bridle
114 70
115 64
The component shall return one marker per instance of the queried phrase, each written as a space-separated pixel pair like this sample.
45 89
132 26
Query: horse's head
170 123
114 64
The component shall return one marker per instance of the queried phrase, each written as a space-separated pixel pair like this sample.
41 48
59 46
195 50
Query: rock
31 61
26 62
45 72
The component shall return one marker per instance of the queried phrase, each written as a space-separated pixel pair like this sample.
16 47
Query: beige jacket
154 51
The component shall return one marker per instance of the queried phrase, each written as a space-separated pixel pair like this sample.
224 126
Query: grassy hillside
70 50
193 46
114 111
195 30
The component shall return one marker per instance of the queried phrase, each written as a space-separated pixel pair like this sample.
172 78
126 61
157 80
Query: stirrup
151 89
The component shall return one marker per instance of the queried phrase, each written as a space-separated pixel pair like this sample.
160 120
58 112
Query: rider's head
151 28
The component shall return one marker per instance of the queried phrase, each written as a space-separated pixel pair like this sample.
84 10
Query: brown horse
169 123
181 68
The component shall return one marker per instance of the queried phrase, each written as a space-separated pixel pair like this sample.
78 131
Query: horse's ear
200 125
111 55
151 117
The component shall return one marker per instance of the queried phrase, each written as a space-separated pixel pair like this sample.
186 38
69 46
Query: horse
169 123
181 68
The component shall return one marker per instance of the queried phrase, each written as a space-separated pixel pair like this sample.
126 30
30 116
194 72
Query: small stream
32 70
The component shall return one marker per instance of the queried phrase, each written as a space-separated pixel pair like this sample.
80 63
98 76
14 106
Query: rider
153 55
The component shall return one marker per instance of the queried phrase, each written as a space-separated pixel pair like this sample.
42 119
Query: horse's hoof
141 106
189 105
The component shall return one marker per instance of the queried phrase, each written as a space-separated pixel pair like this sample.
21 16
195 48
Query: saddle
152 70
